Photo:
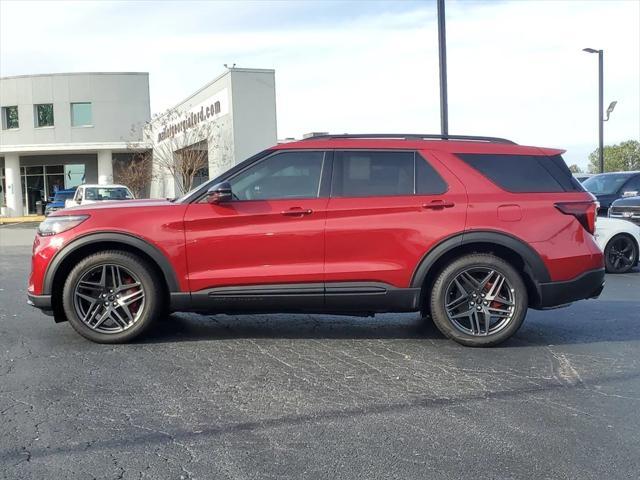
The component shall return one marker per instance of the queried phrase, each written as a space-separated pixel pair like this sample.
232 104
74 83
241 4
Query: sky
516 68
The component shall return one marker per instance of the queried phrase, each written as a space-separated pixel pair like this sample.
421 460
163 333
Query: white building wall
254 112
246 125
119 102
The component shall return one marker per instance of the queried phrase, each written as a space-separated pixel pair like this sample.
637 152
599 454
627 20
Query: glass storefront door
73 175
35 191
32 187
40 183
55 180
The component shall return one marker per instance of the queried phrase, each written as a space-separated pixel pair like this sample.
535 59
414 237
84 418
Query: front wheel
479 300
111 297
620 254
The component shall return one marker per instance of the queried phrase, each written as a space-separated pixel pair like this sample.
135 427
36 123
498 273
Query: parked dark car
58 200
581 177
609 187
626 209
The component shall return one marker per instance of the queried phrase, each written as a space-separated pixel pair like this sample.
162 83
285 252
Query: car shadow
180 327
582 323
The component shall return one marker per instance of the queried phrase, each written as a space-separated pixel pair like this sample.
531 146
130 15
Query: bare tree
181 142
135 172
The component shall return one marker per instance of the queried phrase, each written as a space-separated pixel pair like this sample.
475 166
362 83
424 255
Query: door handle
438 204
296 212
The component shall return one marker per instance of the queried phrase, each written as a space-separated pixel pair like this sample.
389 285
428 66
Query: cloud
516 69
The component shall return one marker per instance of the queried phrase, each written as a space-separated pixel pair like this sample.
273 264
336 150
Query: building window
44 115
10 117
81 114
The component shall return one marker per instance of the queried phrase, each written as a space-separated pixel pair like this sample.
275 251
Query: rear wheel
620 254
111 297
479 300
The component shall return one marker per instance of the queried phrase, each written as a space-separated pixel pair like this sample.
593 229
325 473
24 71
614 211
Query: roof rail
413 136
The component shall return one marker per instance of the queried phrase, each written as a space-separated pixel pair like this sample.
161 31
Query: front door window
286 175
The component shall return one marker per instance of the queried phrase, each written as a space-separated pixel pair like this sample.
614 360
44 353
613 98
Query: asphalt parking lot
304 396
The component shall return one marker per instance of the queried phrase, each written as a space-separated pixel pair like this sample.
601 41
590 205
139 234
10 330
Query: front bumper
587 285
43 302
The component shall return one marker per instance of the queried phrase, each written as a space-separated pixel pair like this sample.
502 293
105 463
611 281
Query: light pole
600 106
442 55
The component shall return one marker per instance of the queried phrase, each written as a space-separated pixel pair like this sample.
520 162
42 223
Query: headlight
55 225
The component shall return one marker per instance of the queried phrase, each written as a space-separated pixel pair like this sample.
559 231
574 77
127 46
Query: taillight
585 213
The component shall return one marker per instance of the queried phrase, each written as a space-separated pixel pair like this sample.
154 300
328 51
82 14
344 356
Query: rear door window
428 181
383 173
525 173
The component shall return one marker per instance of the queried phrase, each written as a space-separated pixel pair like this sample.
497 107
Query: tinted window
633 185
98 193
283 175
524 173
606 184
359 174
44 115
557 167
428 182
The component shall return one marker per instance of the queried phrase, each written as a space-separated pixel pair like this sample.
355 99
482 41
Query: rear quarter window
524 173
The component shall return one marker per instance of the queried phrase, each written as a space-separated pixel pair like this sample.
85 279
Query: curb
28 219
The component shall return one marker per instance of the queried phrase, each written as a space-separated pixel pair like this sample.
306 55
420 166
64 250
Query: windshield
62 196
98 193
605 184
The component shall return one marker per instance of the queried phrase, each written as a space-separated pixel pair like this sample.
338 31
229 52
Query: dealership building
62 130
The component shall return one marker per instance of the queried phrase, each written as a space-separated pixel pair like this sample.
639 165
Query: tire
502 299
103 312
620 254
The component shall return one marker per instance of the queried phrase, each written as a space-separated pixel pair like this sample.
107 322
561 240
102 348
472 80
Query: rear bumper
587 285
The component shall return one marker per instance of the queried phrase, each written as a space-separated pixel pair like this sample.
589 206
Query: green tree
622 157
575 169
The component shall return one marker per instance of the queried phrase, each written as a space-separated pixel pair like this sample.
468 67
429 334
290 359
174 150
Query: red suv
470 231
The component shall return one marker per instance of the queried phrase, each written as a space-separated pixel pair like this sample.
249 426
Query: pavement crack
563 371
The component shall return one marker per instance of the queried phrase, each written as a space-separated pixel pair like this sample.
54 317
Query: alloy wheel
480 301
109 298
621 254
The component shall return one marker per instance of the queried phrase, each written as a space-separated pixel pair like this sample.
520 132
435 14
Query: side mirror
220 193
631 194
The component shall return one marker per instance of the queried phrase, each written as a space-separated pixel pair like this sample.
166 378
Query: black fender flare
533 263
113 237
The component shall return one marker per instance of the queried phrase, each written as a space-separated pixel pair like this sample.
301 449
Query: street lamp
610 108
442 57
600 106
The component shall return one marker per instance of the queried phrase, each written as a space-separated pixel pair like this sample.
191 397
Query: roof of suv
451 143
629 173
95 185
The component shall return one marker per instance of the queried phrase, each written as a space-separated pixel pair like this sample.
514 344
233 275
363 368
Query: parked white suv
86 194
